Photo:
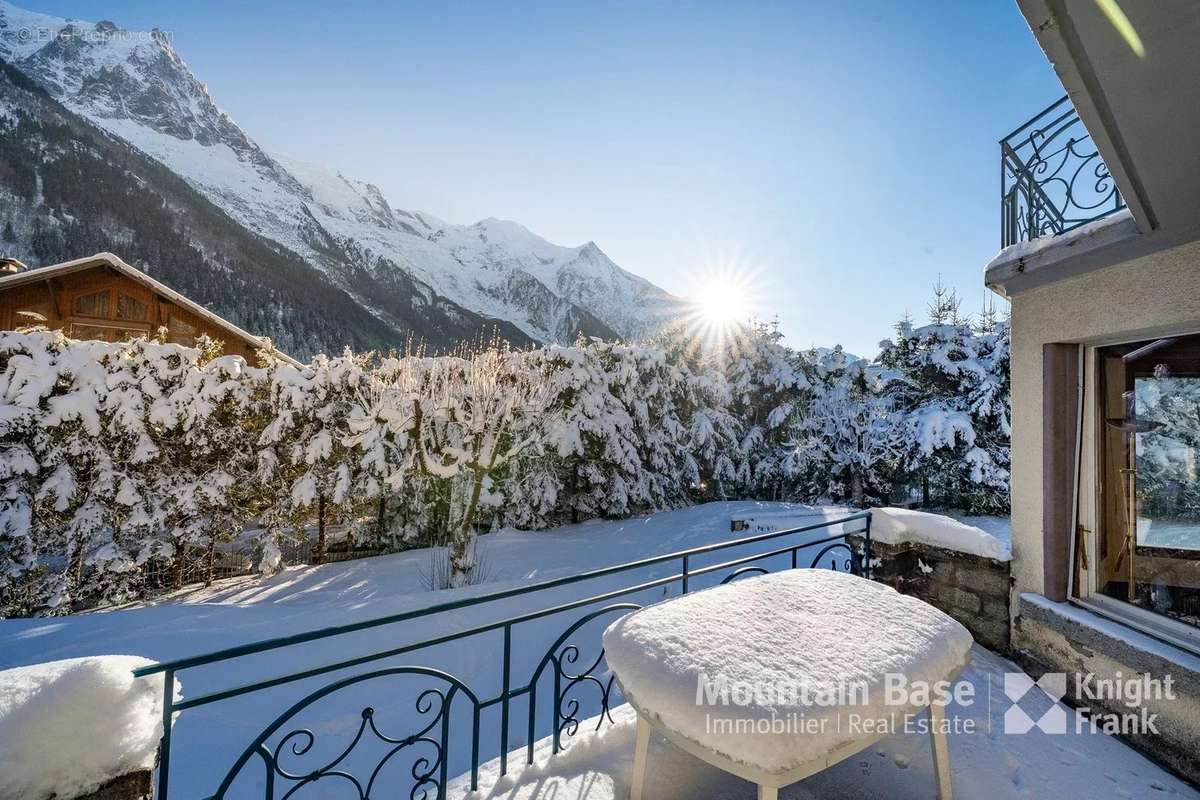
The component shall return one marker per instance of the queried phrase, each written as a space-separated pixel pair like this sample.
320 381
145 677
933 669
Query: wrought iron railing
550 695
1052 178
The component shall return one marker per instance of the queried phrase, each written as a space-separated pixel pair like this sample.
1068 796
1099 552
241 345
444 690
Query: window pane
93 305
131 308
31 315
180 332
1150 538
91 332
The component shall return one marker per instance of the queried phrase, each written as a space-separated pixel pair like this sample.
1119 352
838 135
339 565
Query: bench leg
941 751
639 758
767 792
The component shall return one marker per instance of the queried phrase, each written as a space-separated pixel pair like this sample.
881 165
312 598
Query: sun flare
722 303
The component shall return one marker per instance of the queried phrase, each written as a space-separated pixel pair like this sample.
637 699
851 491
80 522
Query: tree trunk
177 567
924 491
379 522
574 494
856 490
77 567
210 561
462 544
319 558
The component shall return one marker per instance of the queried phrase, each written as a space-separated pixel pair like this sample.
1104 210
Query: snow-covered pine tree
312 405
846 443
767 391
378 424
949 385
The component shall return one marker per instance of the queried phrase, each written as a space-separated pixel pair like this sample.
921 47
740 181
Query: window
104 333
1149 520
180 332
91 332
31 314
130 308
94 304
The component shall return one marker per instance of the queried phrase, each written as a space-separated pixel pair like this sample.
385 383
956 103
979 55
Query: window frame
1085 592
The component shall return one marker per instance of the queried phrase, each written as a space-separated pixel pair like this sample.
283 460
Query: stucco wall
1152 295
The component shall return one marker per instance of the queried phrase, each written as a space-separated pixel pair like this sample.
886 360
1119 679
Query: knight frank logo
1114 705
1053 720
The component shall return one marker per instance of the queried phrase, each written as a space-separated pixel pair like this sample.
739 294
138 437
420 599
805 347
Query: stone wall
131 786
974 590
1061 637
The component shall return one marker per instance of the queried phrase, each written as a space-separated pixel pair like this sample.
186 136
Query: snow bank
68 726
899 525
824 634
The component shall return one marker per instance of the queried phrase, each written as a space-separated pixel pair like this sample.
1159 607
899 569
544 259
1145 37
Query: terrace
503 690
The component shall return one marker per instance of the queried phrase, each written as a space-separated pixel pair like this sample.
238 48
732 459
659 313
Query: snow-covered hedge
66 727
122 463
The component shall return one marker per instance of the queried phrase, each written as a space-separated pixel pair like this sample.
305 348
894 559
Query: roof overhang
1143 113
40 274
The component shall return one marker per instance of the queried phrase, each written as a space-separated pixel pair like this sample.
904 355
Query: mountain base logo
1095 698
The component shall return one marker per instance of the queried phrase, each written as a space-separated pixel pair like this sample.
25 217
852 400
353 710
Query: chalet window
180 332
91 332
94 304
1149 520
31 314
132 309
104 333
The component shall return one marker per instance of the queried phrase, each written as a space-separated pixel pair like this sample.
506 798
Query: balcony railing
1052 178
419 724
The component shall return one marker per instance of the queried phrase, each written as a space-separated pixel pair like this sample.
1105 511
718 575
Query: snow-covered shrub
124 467
66 727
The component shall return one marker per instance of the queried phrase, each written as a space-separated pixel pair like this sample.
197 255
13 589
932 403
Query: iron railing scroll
416 706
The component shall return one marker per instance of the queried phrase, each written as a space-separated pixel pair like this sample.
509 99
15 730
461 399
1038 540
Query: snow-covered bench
817 645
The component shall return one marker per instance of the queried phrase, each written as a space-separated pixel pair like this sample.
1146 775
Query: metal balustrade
549 692
1052 179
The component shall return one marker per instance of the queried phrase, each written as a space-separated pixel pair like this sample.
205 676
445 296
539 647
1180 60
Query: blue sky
841 154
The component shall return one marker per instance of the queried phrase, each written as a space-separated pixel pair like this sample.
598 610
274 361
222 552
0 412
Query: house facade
1100 259
102 297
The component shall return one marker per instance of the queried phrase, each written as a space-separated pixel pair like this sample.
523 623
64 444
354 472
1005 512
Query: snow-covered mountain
393 262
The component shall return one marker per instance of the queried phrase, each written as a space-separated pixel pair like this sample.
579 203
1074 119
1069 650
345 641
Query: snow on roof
66 727
899 525
38 274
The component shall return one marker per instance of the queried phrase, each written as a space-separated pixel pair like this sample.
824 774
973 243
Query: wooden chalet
102 297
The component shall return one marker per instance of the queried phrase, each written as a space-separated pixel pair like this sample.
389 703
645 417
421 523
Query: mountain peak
135 85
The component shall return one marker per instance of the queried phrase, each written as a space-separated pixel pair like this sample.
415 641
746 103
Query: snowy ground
986 764
306 598
209 739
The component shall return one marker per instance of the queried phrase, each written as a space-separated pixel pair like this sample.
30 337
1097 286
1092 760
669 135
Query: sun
722 304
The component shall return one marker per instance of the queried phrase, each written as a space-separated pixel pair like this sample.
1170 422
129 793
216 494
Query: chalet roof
39 274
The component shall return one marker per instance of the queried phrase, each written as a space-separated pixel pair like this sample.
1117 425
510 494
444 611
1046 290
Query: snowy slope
136 86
